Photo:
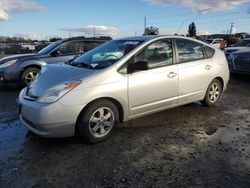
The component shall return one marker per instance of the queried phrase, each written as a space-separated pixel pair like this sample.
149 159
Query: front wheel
98 121
213 93
29 75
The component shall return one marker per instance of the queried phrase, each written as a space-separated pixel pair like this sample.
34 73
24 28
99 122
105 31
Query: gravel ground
189 146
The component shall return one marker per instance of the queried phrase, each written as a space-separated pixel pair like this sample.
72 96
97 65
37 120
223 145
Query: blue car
24 68
239 62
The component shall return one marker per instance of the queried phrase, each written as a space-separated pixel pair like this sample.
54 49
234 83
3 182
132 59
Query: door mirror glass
138 66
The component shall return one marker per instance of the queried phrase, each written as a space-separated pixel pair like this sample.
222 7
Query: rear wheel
98 121
213 93
29 75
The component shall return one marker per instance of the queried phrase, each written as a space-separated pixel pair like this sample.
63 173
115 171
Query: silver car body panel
139 93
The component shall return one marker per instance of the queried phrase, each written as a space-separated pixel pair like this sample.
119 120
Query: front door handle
172 74
208 67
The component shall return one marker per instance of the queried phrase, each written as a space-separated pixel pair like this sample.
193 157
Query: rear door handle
172 74
208 67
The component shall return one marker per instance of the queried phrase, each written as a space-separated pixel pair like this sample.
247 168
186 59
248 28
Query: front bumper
8 76
241 68
48 120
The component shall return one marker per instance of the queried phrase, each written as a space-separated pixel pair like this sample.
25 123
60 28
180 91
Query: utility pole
231 29
94 31
145 23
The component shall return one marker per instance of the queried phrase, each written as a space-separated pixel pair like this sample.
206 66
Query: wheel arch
116 102
31 63
221 81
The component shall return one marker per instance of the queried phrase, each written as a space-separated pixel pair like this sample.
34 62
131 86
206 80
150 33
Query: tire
28 75
98 121
213 93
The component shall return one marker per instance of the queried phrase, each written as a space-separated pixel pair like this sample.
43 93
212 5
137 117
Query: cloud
203 6
98 29
203 32
7 6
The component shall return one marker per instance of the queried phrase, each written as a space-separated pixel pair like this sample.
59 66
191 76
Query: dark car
23 68
239 62
242 45
11 49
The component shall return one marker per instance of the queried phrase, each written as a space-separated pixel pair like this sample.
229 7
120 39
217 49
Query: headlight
55 93
8 63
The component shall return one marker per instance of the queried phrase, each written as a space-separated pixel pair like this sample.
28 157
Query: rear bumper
49 120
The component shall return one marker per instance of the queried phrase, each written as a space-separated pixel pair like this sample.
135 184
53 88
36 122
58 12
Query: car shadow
243 78
10 87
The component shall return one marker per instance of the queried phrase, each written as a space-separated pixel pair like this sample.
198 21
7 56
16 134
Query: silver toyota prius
121 80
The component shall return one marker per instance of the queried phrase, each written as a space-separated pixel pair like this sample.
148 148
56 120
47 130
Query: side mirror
137 66
55 53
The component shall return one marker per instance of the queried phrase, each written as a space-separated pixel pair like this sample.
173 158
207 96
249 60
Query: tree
151 31
192 30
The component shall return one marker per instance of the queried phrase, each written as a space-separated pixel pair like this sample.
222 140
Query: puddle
226 135
12 138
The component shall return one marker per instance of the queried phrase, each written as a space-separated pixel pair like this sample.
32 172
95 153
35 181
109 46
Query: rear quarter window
208 52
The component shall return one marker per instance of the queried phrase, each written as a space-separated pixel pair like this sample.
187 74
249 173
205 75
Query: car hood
243 52
21 57
236 48
53 75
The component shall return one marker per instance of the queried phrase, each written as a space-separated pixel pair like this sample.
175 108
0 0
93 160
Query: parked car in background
242 45
215 42
39 46
24 68
239 61
11 49
121 80
30 47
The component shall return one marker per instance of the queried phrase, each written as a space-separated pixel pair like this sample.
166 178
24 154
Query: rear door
157 87
195 69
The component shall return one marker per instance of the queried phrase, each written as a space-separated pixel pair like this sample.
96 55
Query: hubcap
30 77
214 92
101 122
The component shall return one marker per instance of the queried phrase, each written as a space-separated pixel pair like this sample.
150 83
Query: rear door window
71 47
89 45
189 50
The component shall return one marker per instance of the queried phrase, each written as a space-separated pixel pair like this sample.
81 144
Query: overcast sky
41 18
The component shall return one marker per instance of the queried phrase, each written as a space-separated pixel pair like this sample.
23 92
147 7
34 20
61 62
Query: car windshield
106 54
49 48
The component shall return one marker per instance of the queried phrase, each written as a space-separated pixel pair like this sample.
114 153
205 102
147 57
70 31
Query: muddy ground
189 146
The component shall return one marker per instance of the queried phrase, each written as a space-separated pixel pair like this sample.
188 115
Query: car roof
102 38
146 38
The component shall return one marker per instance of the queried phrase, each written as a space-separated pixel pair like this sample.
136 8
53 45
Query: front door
156 88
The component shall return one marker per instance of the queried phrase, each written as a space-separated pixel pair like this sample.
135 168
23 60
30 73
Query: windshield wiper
85 65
